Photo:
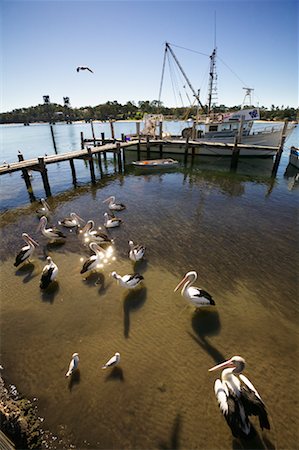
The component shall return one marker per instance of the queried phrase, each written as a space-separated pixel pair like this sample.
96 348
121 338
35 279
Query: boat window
213 128
226 126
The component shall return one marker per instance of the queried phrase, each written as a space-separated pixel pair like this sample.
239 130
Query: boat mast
213 74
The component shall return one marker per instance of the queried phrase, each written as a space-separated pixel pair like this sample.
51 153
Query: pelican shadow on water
26 271
74 379
256 443
116 374
133 301
49 294
174 443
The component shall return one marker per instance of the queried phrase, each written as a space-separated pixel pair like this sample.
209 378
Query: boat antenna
247 95
212 95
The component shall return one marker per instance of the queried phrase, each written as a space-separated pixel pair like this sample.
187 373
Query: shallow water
238 231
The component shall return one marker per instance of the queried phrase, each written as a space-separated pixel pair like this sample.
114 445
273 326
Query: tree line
112 110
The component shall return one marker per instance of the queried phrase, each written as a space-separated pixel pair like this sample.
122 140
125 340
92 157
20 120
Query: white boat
165 163
294 157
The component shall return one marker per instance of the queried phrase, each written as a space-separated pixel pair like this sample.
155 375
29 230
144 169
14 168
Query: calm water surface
238 231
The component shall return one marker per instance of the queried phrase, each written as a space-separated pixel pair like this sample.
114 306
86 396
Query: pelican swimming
94 262
26 251
136 252
44 210
114 361
198 297
73 364
94 235
72 221
49 273
50 233
113 205
129 281
111 222
238 399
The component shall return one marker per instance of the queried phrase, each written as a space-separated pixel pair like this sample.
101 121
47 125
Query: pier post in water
91 166
103 143
112 129
160 129
92 130
280 149
82 140
118 157
73 172
186 150
100 163
27 179
148 148
236 149
44 174
53 138
138 130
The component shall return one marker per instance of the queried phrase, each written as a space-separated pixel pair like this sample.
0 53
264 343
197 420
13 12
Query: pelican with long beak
238 399
26 251
129 281
49 273
90 234
50 233
111 222
44 210
113 361
136 252
72 221
73 364
94 262
113 205
196 296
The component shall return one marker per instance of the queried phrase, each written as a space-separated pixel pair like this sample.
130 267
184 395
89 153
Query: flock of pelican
238 399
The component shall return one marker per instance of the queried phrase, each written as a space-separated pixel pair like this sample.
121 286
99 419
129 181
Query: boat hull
294 157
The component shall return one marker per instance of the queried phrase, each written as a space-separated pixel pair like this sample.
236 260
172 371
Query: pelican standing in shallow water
49 273
73 364
136 252
113 205
111 222
114 361
129 281
94 235
26 251
44 210
196 296
50 233
94 262
72 221
238 399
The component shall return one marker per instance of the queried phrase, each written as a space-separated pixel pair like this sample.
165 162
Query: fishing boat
165 163
294 156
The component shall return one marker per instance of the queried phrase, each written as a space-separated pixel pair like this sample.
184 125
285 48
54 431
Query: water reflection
49 294
74 379
133 301
116 374
174 442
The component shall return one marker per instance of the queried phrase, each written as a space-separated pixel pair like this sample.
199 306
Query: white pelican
49 233
111 222
113 205
49 273
73 364
198 297
94 235
93 262
238 398
26 251
44 209
129 281
136 252
114 361
72 221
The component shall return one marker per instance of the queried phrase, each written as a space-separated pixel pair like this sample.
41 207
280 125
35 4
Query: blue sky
123 42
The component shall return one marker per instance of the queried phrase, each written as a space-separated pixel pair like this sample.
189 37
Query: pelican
197 297
129 281
26 251
136 252
49 233
111 222
94 235
72 221
49 273
112 205
238 398
44 210
114 361
84 68
94 261
73 364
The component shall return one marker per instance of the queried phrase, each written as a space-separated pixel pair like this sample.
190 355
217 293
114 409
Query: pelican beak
107 199
80 218
47 204
33 241
227 363
85 228
180 284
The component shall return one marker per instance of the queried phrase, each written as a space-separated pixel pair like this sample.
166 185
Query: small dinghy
156 163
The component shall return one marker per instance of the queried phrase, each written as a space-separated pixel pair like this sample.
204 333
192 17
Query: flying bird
84 68
238 399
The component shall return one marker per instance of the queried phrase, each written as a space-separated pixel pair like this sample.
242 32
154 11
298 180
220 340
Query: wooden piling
118 157
123 137
148 148
103 143
72 164
93 135
161 149
53 139
44 174
138 130
112 129
280 149
27 179
124 158
236 149
192 154
91 166
186 150
160 129
82 140
100 163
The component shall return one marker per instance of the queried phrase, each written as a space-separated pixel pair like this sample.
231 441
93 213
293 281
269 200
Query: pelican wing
202 297
253 403
112 361
23 254
58 232
46 276
88 264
